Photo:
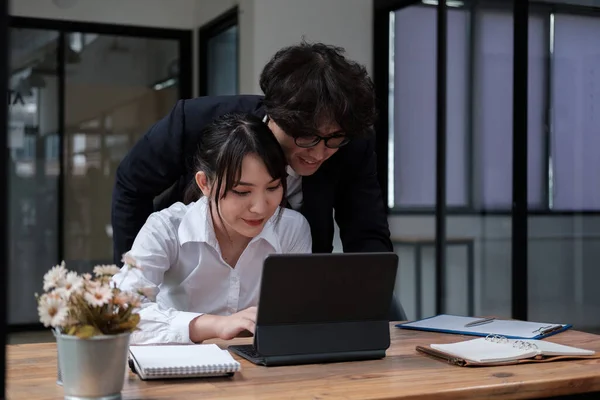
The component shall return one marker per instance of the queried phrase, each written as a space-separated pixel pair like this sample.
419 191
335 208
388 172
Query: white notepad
183 361
485 351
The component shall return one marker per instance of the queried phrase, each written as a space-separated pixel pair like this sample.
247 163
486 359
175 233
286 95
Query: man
320 107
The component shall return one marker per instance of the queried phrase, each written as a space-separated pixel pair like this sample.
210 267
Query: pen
479 322
550 329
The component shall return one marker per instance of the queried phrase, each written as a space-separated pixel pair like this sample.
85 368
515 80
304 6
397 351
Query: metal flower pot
92 368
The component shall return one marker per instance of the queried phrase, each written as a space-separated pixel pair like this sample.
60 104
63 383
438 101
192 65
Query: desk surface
403 374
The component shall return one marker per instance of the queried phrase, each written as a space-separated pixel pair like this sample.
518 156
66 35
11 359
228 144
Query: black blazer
157 170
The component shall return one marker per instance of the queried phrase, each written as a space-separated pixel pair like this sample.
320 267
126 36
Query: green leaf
86 331
129 324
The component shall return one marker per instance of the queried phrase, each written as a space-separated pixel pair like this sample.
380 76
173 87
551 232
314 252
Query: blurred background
88 78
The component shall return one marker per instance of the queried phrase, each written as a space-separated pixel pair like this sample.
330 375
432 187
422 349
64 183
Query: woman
201 262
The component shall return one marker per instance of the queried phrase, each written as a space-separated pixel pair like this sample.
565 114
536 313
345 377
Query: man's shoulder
358 147
347 157
214 106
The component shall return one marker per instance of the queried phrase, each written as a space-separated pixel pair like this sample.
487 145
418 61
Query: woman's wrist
204 327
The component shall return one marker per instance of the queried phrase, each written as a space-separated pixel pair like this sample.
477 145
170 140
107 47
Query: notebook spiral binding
519 344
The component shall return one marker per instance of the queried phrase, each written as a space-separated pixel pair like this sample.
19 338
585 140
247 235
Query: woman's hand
208 326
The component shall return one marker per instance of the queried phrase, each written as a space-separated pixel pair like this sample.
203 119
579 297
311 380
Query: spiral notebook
183 361
498 350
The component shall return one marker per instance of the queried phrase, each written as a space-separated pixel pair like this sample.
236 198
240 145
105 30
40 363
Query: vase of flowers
92 320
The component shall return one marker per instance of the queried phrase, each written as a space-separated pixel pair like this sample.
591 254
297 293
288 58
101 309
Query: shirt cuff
181 325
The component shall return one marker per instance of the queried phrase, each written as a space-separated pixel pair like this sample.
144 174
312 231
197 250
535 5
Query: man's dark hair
222 147
308 84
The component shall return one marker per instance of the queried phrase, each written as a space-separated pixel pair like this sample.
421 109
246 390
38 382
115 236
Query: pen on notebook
550 329
479 322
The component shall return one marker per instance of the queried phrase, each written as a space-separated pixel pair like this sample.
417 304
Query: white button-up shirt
183 269
294 189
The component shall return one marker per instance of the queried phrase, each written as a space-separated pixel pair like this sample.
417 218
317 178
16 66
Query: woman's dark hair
222 147
308 84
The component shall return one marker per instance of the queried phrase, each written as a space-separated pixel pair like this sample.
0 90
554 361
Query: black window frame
206 32
3 189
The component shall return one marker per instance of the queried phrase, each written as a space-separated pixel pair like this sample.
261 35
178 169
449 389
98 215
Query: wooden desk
403 374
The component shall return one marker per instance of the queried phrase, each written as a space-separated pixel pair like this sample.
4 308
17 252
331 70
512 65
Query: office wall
346 23
268 25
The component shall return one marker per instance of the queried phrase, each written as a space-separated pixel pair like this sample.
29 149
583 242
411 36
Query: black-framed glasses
333 141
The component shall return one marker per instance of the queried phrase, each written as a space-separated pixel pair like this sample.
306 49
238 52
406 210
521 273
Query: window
575 113
479 109
52 147
493 110
219 48
414 107
223 63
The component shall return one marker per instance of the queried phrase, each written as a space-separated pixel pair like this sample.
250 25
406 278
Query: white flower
127 299
53 310
121 299
55 277
103 270
72 284
130 261
98 296
135 301
91 284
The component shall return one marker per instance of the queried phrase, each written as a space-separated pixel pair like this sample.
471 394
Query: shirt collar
269 234
289 169
196 226
291 172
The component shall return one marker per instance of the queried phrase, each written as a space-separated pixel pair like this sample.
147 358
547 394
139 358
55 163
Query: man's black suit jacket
162 162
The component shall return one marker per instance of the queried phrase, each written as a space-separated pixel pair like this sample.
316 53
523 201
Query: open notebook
498 350
183 361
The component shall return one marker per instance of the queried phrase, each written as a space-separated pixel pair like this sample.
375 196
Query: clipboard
511 329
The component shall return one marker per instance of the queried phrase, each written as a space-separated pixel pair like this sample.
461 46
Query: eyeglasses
333 142
306 141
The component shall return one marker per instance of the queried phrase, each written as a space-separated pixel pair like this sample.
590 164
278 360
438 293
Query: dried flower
72 283
106 270
128 300
86 306
98 296
55 277
53 310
